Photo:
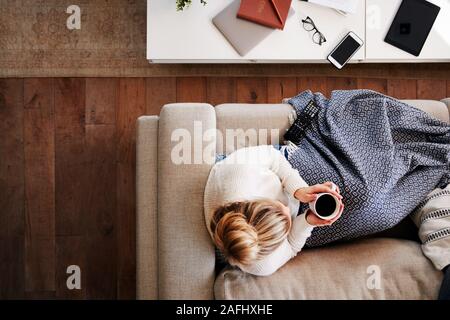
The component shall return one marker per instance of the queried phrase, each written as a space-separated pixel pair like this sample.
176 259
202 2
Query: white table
190 37
379 15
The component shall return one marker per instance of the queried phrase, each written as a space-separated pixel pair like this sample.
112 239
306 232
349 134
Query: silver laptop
241 34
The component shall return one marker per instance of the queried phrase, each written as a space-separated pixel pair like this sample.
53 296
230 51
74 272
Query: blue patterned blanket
385 156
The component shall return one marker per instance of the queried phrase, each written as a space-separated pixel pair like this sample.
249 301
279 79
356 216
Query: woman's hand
314 220
309 194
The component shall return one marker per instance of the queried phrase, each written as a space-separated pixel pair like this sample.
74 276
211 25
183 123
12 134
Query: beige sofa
175 256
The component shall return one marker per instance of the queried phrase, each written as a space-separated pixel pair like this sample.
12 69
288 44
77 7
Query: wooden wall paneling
39 149
12 194
160 91
101 97
402 88
279 88
40 295
315 84
131 105
431 89
70 155
70 251
379 85
101 238
72 182
340 83
251 90
191 89
221 90
101 217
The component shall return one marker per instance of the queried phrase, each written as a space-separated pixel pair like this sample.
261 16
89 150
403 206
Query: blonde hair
249 230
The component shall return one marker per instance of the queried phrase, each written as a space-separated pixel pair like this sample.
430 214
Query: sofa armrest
447 102
146 207
186 257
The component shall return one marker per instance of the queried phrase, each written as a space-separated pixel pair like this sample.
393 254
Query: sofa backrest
269 122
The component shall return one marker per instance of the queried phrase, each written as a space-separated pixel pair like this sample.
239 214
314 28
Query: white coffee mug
313 205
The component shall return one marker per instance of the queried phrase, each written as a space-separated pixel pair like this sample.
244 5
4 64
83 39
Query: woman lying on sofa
256 199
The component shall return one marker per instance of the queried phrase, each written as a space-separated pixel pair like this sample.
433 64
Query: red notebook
265 12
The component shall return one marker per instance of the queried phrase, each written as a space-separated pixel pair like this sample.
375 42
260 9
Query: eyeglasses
318 37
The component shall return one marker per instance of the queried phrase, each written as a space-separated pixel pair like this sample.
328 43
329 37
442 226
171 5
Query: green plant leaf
181 4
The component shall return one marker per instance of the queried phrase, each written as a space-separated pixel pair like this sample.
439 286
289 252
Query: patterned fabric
384 155
432 217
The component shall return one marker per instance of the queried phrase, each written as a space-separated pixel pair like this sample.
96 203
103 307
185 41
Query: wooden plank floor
67 169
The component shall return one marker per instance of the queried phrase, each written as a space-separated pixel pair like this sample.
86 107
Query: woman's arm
267 156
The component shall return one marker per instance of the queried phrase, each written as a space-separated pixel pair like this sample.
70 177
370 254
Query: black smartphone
345 50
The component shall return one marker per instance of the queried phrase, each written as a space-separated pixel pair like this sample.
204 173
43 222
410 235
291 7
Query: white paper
348 6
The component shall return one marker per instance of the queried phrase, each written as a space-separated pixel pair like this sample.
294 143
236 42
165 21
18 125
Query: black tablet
412 25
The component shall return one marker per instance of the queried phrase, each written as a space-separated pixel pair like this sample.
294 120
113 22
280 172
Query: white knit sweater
259 173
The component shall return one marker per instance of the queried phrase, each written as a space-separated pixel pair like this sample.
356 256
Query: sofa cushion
341 271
